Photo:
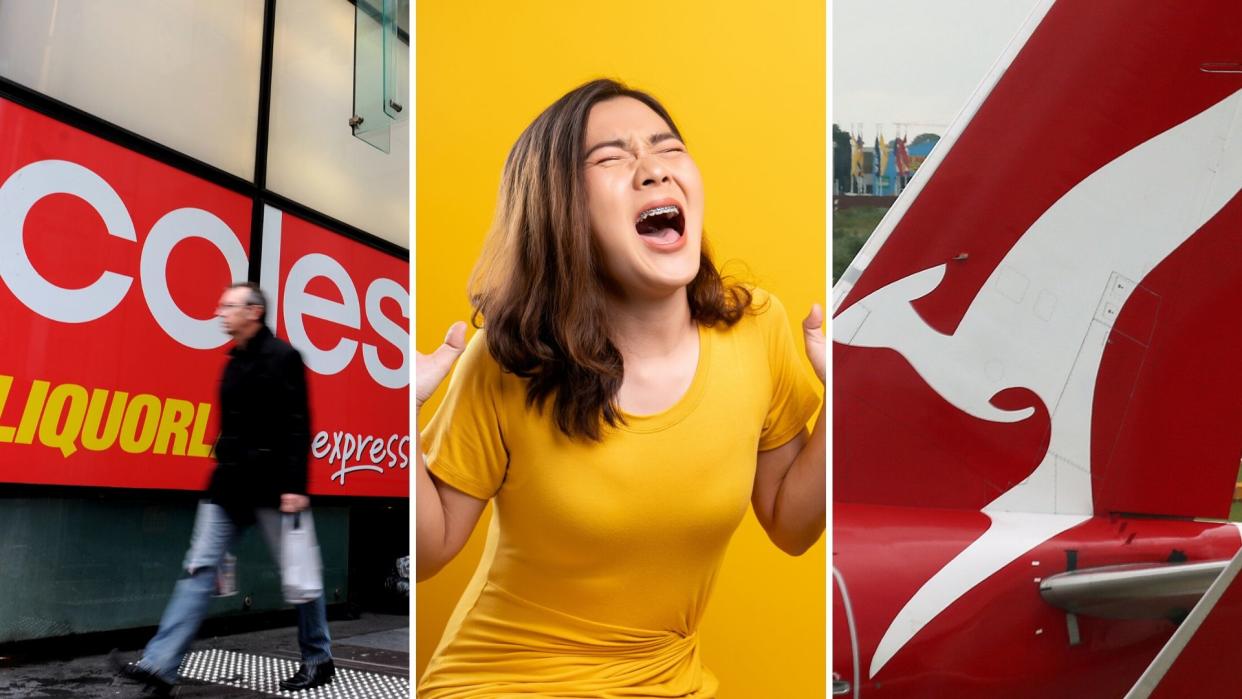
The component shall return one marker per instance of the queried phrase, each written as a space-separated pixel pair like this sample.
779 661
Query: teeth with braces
658 211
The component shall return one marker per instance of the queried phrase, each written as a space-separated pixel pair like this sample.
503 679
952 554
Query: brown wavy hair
538 281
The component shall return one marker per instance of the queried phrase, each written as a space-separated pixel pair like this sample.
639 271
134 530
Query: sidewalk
371 656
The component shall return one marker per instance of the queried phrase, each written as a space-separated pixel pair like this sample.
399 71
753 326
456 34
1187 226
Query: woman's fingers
813 334
430 369
455 337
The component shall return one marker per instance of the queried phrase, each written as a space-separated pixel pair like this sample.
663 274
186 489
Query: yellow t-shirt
604 553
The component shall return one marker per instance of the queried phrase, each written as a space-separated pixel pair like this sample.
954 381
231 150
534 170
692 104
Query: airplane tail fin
1045 320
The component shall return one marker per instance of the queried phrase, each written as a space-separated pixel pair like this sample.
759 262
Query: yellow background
746 87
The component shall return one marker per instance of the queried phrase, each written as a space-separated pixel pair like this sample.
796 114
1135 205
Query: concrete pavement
371 656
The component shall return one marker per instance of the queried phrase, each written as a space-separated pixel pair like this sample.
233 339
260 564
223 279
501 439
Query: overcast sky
914 61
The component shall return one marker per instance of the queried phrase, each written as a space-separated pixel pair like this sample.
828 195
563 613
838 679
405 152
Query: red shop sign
111 264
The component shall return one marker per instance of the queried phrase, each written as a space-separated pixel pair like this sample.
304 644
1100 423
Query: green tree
840 159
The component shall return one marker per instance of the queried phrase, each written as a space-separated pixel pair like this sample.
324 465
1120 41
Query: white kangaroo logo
1041 321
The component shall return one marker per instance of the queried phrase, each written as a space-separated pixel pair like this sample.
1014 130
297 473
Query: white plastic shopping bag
301 569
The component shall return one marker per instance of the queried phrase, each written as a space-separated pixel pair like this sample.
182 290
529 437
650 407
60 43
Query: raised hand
430 369
813 334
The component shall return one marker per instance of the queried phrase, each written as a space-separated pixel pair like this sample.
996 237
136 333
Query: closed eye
609 159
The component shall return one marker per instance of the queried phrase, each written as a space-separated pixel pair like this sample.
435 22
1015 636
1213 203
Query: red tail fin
1045 320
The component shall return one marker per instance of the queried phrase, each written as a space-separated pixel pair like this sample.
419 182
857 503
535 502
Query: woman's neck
650 327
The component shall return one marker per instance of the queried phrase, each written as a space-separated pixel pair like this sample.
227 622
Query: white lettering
336 447
340 473
347 446
31 183
18 195
392 454
347 450
363 441
171 229
269 264
319 447
398 377
299 303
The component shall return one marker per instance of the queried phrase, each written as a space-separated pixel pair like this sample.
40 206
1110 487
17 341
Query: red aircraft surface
1037 385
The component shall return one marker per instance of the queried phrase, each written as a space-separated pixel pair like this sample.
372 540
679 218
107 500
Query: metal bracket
1071 625
1221 67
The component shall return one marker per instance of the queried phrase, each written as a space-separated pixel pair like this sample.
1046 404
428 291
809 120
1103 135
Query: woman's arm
790 492
444 516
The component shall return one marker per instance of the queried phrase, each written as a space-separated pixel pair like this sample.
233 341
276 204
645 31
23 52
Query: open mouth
661 224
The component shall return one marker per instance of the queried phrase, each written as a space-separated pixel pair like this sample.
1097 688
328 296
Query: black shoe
309 677
141 675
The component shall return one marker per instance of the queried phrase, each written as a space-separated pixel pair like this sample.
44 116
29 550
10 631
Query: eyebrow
618 143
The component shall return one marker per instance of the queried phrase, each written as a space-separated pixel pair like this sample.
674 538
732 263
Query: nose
650 171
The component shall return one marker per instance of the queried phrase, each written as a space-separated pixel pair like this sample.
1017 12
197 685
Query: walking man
261 459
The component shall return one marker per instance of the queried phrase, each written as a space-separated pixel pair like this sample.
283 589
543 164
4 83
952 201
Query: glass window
313 157
184 73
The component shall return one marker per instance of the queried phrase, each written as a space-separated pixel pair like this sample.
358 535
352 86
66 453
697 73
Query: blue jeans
214 534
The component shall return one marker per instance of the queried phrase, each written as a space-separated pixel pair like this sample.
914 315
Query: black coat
264 438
